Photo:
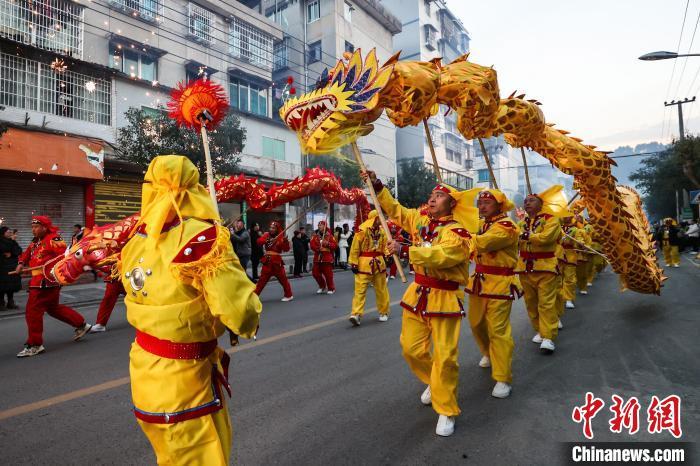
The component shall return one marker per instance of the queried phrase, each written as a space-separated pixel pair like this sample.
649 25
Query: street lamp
653 56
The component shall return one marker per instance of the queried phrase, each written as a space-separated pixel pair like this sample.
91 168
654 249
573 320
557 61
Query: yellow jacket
538 244
439 254
496 255
585 238
183 291
569 246
372 242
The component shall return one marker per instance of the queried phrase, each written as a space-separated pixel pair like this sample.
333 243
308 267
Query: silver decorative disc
137 278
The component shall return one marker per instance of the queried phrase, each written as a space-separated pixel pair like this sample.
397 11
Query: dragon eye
79 254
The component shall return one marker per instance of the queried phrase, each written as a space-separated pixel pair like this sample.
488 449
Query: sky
580 59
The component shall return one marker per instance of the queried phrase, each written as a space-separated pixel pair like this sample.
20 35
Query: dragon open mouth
308 115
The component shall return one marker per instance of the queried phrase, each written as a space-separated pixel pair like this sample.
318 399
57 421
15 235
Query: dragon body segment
355 93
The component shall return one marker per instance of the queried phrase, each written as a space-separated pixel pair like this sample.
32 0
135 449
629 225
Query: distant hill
627 165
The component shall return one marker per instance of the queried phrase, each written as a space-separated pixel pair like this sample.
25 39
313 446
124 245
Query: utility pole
680 113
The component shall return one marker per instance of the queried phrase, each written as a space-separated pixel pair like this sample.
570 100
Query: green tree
149 134
658 179
416 182
687 154
342 166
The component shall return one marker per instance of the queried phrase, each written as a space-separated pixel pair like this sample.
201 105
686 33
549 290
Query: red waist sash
436 283
494 270
371 254
173 350
536 255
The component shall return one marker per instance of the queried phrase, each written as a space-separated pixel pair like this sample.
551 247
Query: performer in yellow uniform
538 268
367 263
432 304
596 261
667 236
570 239
179 271
584 256
493 286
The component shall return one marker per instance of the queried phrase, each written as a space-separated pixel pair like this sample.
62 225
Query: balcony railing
147 10
251 44
36 86
281 55
55 25
201 24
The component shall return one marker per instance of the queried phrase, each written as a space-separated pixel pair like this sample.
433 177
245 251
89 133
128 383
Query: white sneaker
485 361
501 390
559 325
426 397
676 266
547 346
445 426
383 318
392 277
354 320
537 338
330 291
412 272
286 299
584 292
97 328
321 291
29 351
80 332
570 305
590 284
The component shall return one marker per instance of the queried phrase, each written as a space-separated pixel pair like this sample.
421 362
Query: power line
673 71
685 59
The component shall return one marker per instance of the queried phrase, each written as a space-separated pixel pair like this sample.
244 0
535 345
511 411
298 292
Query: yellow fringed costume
584 257
178 271
367 262
493 286
538 265
432 304
568 261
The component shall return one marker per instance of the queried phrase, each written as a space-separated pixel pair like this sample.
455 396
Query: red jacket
273 248
323 249
38 253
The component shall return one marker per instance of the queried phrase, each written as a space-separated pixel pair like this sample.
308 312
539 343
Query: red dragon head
97 250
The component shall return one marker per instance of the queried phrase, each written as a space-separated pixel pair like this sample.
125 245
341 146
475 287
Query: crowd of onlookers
685 235
249 252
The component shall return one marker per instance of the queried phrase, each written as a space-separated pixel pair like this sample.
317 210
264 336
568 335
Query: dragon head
341 107
97 250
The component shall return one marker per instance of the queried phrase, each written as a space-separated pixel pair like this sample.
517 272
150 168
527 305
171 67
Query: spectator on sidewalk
693 234
305 256
241 243
344 245
256 249
9 256
299 249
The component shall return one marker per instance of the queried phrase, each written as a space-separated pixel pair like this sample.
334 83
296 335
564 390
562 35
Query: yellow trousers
440 368
568 290
204 440
489 320
671 255
541 299
582 275
381 291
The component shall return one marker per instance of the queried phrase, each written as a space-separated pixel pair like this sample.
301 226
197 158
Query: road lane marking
116 383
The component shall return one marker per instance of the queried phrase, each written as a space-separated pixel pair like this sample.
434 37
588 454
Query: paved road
313 390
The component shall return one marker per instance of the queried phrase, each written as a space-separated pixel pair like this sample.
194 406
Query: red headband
275 224
322 222
487 195
442 188
45 222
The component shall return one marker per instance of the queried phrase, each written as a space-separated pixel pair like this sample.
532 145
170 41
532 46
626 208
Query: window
273 148
201 22
483 175
35 86
281 54
130 60
347 11
468 163
313 11
314 52
249 43
427 7
430 37
248 97
279 16
349 47
193 72
149 10
454 156
55 25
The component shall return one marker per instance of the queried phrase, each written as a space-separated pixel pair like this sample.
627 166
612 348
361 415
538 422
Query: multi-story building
430 30
317 33
69 70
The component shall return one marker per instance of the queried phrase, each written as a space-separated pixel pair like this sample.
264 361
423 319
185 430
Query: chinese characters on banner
662 415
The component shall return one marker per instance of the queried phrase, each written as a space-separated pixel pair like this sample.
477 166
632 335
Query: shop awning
51 154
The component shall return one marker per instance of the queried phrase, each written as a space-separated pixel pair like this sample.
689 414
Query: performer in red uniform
398 237
323 244
272 264
44 293
113 289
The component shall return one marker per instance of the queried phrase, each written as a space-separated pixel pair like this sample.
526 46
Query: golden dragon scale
354 94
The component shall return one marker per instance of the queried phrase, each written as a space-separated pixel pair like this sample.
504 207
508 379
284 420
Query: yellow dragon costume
367 262
179 271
